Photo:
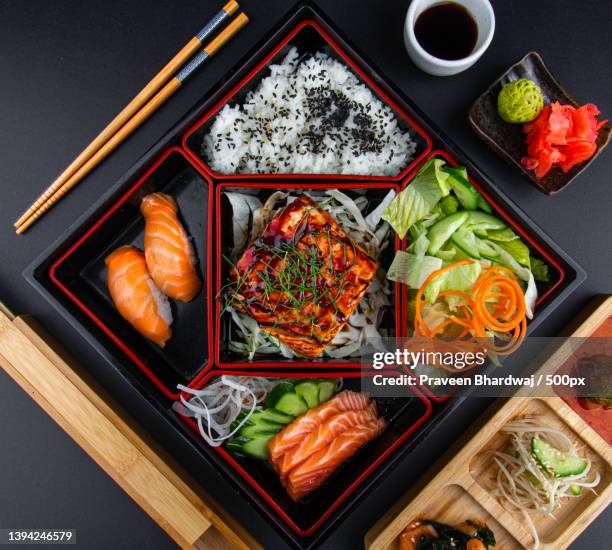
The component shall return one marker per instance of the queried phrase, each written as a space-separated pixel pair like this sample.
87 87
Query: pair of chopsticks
148 100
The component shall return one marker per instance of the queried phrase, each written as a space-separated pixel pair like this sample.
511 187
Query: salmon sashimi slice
323 435
168 250
312 473
293 433
135 295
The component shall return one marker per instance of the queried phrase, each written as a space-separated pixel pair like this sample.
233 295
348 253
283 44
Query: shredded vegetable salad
539 470
373 234
478 301
216 406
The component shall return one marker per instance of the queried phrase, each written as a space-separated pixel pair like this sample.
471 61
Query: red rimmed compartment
80 273
309 37
405 415
224 358
545 290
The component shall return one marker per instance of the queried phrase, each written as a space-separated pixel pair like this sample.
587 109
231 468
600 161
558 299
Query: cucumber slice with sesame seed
556 462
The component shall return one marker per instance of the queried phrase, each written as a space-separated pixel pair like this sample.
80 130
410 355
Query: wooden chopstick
134 106
158 99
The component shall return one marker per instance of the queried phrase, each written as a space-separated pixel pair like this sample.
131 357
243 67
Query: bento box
71 276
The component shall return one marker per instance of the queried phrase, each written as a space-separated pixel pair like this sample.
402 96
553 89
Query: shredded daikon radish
242 206
373 235
217 405
522 485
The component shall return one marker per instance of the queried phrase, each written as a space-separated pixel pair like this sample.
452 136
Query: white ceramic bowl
482 12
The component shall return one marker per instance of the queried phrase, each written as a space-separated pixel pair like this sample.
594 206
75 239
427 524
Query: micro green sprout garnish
292 272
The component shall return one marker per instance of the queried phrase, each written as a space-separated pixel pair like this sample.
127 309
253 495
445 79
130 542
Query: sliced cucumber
556 462
576 490
465 239
258 447
484 205
467 194
235 444
262 417
259 430
291 403
277 392
502 235
484 221
270 415
441 231
486 250
327 388
308 390
457 253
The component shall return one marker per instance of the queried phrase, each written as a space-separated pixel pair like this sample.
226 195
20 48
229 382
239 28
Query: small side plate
508 140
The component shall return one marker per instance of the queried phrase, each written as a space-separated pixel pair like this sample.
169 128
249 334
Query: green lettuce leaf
523 273
419 198
449 205
519 251
411 269
540 270
419 245
459 278
502 235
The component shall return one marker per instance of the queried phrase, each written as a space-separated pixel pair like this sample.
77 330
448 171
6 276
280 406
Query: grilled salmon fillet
302 278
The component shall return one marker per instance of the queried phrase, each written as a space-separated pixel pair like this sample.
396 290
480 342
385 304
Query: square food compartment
531 237
80 275
226 329
453 505
309 37
344 487
549 528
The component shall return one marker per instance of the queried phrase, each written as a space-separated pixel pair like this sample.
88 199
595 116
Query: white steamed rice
164 310
310 116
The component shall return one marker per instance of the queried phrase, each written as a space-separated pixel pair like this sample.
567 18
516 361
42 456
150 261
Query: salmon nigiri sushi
168 250
135 295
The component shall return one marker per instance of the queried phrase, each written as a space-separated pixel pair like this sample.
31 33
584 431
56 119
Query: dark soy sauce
447 31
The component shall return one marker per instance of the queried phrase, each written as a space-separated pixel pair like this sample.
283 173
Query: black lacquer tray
69 274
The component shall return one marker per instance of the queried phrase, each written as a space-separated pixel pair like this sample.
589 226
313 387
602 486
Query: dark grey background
67 68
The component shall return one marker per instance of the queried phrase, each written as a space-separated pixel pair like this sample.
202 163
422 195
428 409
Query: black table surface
68 66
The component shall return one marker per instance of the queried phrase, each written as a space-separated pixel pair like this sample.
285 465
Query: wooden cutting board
458 486
114 441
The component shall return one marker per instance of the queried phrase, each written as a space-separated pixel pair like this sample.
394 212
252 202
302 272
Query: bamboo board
120 447
457 488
